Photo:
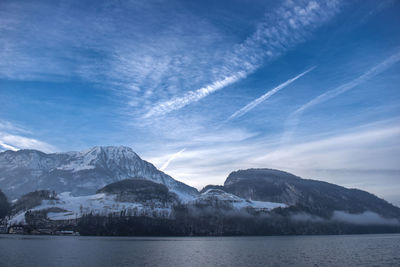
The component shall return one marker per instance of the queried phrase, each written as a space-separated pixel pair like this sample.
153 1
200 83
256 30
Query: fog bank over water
365 218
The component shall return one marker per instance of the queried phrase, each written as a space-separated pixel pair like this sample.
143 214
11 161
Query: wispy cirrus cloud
8 126
265 96
139 50
280 30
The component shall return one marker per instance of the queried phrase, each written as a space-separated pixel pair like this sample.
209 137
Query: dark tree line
199 222
4 205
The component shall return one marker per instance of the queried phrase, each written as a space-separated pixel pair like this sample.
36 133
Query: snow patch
237 202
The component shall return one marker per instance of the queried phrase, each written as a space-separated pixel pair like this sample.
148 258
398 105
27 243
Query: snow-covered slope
68 207
64 206
81 173
213 197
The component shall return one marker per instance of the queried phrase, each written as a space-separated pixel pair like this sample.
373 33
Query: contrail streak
193 96
294 118
264 97
174 156
387 63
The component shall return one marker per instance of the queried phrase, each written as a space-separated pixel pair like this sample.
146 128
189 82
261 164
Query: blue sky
202 88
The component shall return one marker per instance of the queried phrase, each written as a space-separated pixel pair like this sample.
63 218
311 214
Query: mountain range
61 190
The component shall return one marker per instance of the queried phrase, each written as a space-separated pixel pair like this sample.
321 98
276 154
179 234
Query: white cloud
16 142
374 148
7 147
11 138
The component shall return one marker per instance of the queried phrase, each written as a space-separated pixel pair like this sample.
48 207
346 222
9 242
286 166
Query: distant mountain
81 173
315 197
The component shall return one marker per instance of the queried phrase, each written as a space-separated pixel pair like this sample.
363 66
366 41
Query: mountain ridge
283 187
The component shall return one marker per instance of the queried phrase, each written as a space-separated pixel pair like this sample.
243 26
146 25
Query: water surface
348 250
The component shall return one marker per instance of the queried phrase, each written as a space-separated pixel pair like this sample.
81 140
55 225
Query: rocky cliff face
264 184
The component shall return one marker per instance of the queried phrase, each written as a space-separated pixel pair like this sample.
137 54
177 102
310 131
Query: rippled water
350 250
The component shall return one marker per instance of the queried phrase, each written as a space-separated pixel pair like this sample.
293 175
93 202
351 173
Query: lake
347 250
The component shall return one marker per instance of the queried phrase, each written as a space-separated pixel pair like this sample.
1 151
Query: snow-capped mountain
81 173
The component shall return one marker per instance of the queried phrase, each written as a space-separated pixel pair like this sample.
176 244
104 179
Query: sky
204 88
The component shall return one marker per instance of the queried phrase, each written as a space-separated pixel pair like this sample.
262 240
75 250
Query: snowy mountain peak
100 156
81 172
110 150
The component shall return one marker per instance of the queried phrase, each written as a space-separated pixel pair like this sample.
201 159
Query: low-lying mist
365 218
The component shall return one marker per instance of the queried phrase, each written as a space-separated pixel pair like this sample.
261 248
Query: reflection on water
354 250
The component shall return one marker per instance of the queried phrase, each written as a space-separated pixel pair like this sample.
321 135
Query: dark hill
139 190
317 197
